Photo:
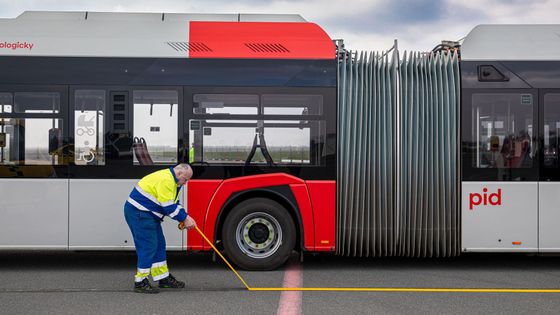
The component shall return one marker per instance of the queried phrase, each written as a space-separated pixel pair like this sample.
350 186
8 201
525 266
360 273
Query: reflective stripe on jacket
158 193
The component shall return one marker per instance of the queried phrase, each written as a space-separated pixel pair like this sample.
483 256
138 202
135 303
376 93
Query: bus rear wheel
258 234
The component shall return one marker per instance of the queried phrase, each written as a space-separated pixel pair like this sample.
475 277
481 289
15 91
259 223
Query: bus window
223 141
249 142
281 104
31 141
294 142
155 126
502 126
551 129
231 104
37 102
89 127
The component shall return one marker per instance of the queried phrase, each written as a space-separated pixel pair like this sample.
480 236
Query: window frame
178 143
73 108
550 173
471 173
58 170
121 166
325 170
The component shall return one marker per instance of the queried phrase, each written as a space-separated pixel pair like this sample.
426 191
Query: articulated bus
91 102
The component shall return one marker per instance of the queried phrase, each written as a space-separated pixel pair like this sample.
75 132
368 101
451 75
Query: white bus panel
97 216
33 213
549 217
499 216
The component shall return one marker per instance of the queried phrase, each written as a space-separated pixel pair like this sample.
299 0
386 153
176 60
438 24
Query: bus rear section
510 125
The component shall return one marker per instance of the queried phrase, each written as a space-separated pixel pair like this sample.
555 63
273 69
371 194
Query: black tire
247 226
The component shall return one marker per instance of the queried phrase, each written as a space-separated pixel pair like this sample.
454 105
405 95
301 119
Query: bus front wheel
258 234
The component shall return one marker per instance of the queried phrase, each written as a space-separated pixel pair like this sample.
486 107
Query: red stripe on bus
259 40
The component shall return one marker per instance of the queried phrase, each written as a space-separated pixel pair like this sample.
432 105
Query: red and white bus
91 102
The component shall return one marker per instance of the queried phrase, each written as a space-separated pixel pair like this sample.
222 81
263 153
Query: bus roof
520 42
164 35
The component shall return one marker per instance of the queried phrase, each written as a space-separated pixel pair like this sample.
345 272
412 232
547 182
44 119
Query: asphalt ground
101 282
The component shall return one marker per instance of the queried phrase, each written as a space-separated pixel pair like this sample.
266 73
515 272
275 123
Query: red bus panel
260 40
306 211
316 201
199 195
323 198
230 186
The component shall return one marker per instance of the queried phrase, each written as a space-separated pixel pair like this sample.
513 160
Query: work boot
170 282
144 286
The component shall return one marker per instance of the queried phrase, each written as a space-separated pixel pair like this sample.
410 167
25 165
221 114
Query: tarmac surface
101 282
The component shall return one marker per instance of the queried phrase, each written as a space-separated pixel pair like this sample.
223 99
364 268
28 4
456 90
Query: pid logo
492 199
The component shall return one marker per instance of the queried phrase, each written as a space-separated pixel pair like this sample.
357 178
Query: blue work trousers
148 236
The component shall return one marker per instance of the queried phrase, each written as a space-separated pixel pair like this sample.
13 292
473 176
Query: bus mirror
2 139
55 140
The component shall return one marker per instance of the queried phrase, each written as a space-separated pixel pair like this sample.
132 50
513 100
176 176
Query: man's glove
188 224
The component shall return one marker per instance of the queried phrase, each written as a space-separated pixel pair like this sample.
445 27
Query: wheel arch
281 194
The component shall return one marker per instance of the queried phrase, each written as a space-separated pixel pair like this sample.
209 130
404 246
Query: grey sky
363 24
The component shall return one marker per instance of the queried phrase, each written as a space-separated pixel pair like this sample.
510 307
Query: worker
154 197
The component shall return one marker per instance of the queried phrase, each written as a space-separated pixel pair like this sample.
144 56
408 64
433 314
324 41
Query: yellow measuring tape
459 290
223 258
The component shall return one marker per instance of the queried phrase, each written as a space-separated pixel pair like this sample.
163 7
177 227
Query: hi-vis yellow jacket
158 193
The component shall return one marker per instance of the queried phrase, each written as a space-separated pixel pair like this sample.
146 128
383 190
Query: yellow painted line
459 290
443 290
223 258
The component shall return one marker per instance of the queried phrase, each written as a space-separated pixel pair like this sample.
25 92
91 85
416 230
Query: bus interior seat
141 151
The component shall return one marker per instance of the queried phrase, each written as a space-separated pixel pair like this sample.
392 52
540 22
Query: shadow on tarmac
65 260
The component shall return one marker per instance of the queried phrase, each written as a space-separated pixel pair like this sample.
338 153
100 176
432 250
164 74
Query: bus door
120 135
549 186
500 170
33 167
93 206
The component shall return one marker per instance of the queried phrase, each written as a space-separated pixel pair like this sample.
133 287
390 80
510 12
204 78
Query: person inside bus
503 160
522 156
154 197
506 153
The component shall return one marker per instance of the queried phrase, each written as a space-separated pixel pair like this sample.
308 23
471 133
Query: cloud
453 20
512 11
